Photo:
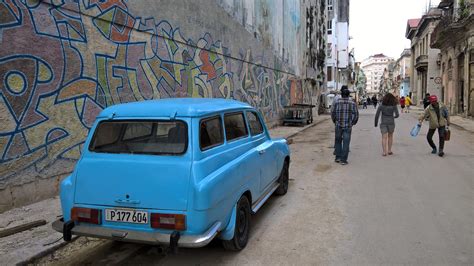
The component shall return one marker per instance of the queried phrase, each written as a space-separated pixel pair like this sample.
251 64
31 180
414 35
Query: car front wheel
242 226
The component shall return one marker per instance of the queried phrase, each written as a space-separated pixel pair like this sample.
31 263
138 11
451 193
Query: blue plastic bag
415 130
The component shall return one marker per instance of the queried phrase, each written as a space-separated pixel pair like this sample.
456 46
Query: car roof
173 107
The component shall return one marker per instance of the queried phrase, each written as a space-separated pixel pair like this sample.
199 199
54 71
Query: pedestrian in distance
364 103
402 103
438 116
374 101
344 115
387 112
426 100
407 103
368 101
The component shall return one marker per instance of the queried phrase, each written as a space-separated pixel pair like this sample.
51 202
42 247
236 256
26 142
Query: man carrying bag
438 116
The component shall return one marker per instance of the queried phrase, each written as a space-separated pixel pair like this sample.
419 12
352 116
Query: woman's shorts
387 129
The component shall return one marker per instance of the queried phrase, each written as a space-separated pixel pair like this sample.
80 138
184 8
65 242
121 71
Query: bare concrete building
454 36
425 65
339 65
401 74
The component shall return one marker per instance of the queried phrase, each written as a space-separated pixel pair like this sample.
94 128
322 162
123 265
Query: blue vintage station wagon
175 172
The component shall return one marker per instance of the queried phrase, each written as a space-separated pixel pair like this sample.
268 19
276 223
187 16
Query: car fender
283 151
224 186
228 232
66 194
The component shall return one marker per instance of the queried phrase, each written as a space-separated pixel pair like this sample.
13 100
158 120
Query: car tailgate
133 181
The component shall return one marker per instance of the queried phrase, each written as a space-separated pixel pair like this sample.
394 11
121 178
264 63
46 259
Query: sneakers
441 154
341 161
434 151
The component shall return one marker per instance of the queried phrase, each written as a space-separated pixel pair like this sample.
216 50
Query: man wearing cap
344 115
438 116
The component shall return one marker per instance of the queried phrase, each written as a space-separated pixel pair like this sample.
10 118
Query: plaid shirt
344 113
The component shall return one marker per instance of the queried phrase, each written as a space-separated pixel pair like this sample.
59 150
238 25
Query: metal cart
298 114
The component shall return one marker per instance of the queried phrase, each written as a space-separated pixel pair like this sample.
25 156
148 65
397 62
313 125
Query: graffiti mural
62 62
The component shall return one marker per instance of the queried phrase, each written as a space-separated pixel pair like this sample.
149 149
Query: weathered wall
276 22
62 62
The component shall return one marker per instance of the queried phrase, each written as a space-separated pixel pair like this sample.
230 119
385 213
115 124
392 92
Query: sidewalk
287 132
459 121
22 246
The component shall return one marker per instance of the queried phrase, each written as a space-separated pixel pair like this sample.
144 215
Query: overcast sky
378 26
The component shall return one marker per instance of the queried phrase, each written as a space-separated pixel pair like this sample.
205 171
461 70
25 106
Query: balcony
454 24
421 62
446 3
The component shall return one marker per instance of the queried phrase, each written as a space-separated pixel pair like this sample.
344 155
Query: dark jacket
426 102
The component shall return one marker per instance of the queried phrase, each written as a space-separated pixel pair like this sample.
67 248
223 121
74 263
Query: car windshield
140 137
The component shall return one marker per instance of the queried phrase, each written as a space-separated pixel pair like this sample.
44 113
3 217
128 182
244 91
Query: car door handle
127 201
261 151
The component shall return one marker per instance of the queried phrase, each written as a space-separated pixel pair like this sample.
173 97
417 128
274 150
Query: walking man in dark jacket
426 100
438 116
374 101
344 115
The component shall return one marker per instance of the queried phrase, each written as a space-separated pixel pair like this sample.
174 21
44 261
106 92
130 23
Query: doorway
461 84
471 84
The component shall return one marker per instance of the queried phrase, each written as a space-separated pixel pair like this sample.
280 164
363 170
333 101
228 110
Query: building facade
387 82
454 36
425 66
373 68
62 62
360 80
338 63
401 74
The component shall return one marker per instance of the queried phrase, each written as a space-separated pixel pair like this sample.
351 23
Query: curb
45 252
288 138
461 127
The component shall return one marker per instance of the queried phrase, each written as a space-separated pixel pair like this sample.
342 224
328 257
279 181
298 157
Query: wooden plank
21 228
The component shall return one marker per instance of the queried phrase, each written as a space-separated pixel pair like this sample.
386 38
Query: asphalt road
409 208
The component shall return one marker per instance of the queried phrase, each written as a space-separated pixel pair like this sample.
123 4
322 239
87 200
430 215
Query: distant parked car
175 172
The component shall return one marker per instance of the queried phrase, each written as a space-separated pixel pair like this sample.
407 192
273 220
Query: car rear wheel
242 226
283 180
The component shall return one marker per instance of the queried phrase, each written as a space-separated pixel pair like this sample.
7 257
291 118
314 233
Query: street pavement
409 208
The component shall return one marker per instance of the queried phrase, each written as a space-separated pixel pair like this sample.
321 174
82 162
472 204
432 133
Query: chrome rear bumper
189 241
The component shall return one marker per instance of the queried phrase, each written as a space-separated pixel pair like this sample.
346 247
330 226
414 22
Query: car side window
235 127
210 133
255 125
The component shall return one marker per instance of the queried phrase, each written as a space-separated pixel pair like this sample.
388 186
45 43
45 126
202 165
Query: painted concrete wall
278 23
343 44
61 63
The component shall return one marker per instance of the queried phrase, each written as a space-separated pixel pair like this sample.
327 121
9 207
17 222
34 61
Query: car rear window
140 137
234 126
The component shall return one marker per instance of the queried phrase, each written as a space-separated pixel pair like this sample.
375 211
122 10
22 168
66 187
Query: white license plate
126 216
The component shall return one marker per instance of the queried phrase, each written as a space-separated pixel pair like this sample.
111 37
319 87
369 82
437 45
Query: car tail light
85 215
168 221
